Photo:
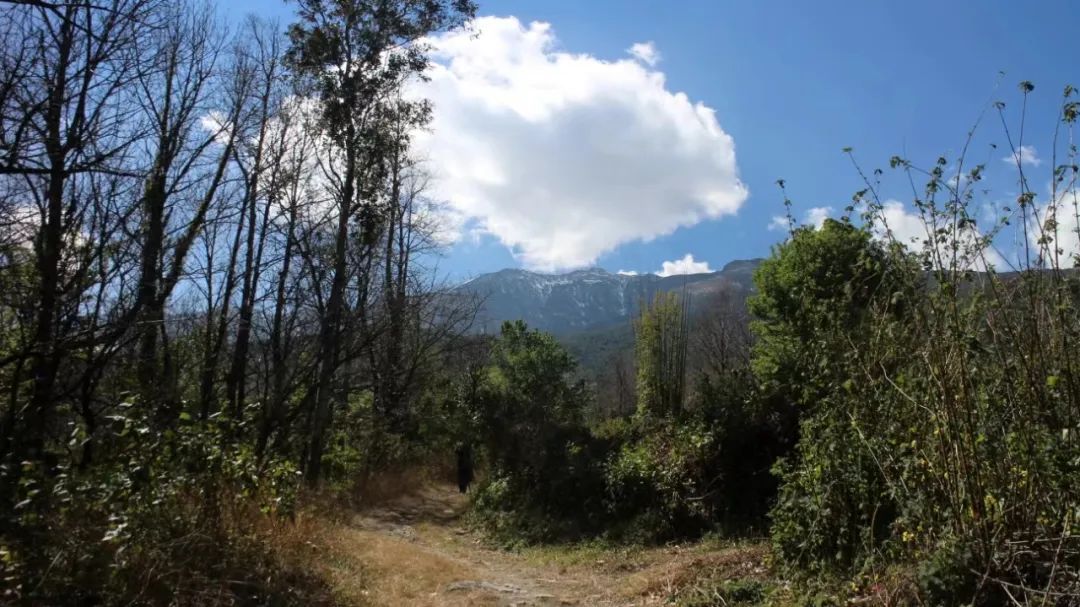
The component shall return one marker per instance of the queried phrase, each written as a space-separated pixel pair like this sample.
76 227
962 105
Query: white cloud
959 181
645 52
20 223
779 223
217 124
906 228
817 216
627 273
1026 154
909 229
1063 247
565 156
686 265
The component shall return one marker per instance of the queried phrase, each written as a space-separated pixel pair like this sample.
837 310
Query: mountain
590 299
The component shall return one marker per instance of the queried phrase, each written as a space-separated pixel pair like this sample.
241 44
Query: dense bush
159 516
705 469
754 428
816 296
545 479
663 481
676 468
940 423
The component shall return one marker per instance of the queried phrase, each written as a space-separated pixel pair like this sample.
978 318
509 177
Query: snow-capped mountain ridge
588 298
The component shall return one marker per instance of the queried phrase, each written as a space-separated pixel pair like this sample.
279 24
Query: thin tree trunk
329 337
45 362
275 406
216 339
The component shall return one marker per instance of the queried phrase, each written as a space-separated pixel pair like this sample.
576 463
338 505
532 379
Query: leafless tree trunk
175 97
289 189
268 58
62 128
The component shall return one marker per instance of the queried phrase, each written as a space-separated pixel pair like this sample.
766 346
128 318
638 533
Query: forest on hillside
222 326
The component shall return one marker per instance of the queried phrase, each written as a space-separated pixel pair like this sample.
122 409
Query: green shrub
941 404
833 511
546 473
663 480
817 296
753 429
946 577
711 592
160 515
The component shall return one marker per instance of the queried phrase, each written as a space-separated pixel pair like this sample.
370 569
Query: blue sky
794 82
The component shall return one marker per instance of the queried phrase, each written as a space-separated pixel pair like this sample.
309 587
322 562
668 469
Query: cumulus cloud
905 227
627 273
813 217
1025 154
896 222
1060 224
686 265
778 223
565 156
645 52
817 216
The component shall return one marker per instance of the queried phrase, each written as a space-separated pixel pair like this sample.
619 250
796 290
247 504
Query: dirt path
415 551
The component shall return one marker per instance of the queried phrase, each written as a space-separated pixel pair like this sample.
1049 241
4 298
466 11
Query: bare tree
251 158
224 214
722 337
355 55
289 189
65 130
176 97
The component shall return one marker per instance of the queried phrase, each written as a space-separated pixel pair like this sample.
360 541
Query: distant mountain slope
591 299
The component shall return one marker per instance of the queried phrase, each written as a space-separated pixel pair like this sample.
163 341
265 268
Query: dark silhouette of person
464 467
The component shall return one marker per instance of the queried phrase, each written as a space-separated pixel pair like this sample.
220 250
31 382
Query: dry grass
671 570
649 575
364 553
411 549
307 549
390 485
406 573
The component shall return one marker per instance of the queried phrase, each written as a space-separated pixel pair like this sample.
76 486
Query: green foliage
350 52
663 481
685 466
816 296
677 468
543 460
945 576
161 514
527 399
940 406
726 592
833 509
812 295
660 480
753 430
661 345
